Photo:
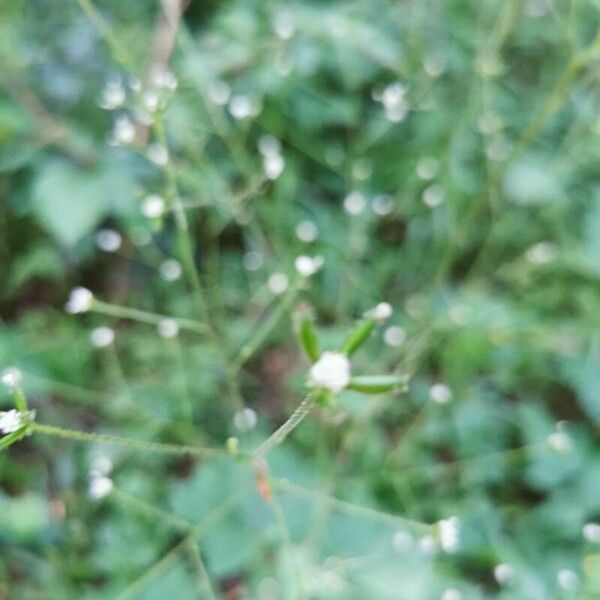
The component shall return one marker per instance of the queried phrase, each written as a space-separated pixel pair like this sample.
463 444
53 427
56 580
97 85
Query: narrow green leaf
378 384
359 336
307 337
11 438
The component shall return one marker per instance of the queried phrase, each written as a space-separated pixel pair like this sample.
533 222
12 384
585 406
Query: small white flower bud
382 205
354 203
170 269
269 145
440 393
394 336
591 532
503 573
168 328
449 530
381 312
245 419
307 266
153 206
433 196
278 283
108 240
79 301
273 165
158 154
101 337
427 168
331 371
306 231
12 377
99 487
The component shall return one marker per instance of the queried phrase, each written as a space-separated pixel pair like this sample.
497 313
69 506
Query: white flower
449 530
101 466
440 393
567 579
354 203
277 283
503 573
10 420
591 532
101 337
153 206
123 131
150 100
433 196
99 487
382 205
307 266
245 419
113 95
80 300
108 240
273 165
170 269
158 154
306 231
241 107
268 145
168 328
161 77
542 253
394 336
381 312
331 371
12 377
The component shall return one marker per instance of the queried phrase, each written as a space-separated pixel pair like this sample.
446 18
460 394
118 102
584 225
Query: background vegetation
440 156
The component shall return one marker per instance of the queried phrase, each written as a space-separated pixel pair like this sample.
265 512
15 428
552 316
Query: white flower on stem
307 266
394 336
108 240
101 337
307 231
10 420
278 283
12 377
158 154
168 328
440 393
354 203
170 269
153 206
245 419
80 300
449 530
331 371
503 573
99 487
381 312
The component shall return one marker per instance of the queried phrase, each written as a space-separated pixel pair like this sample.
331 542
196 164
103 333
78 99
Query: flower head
79 301
331 371
449 530
307 266
101 337
10 420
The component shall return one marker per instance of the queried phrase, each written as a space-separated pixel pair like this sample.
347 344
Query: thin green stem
100 438
280 434
201 572
134 314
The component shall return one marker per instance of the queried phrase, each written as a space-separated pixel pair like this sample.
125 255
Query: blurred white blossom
331 371
12 377
108 240
80 300
101 337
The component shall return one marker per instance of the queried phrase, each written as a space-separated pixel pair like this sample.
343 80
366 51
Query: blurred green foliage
470 129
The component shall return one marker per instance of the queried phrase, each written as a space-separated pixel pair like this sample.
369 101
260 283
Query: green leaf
359 336
11 438
378 384
307 335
